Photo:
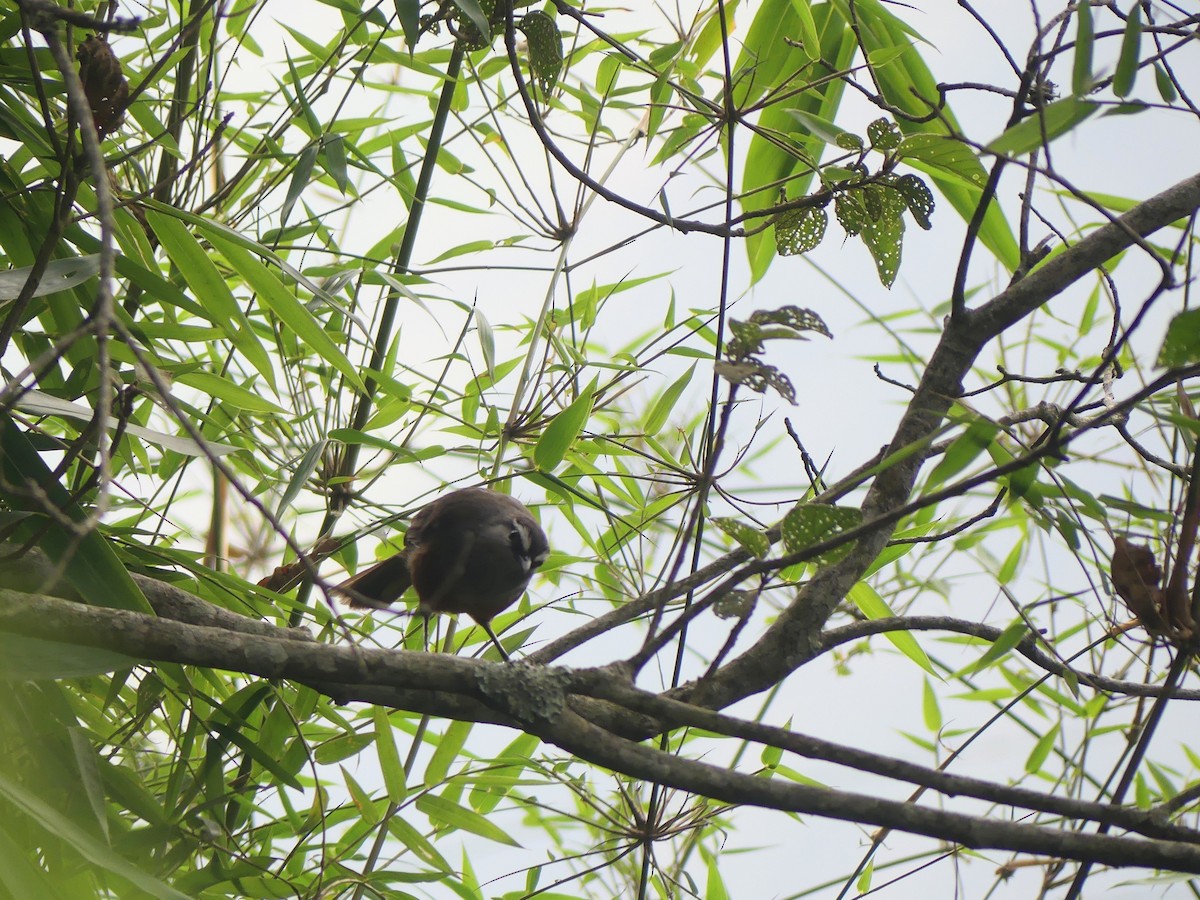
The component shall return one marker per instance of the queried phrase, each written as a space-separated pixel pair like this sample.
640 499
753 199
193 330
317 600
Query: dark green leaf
1181 347
883 134
1131 45
409 14
1166 87
812 523
474 14
919 198
545 48
1081 72
800 230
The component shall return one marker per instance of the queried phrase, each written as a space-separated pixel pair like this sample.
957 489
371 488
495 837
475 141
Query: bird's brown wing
379 586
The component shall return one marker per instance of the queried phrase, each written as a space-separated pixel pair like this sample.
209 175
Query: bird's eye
518 539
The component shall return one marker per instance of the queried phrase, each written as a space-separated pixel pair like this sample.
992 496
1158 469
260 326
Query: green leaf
863 885
494 785
58 275
944 155
810 40
661 410
714 885
444 811
19 876
1081 72
301 176
283 303
545 48
1009 638
94 851
562 431
918 198
1131 46
333 152
207 283
963 451
389 757
1166 87
771 756
771 161
32 659
44 404
883 133
449 746
884 234
820 127
235 395
409 14
873 606
1181 346
750 538
1041 750
408 836
812 523
368 809
300 475
342 747
89 562
1051 122
930 708
908 85
800 230
476 16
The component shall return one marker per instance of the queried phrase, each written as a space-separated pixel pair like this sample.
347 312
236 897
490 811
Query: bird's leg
487 626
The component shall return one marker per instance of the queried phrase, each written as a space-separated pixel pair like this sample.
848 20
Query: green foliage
328 272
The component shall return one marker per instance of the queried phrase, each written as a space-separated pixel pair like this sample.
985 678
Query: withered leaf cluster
104 84
1136 577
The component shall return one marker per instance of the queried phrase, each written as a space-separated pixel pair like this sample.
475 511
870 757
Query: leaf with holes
884 236
545 48
786 323
812 523
918 197
756 376
883 134
800 230
944 156
751 539
851 211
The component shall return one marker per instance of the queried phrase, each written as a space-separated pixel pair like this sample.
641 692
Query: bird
470 551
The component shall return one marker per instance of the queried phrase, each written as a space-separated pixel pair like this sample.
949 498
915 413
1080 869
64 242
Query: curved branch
576 735
795 637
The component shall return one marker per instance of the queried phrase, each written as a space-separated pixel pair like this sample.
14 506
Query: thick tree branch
543 702
578 736
795 637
